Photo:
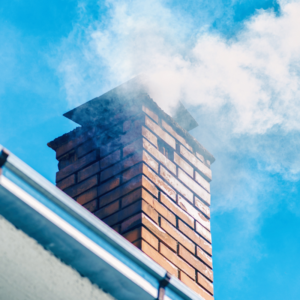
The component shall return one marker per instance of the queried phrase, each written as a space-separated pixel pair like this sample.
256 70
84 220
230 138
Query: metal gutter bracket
162 284
3 156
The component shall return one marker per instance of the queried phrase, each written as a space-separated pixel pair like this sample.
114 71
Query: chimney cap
133 91
99 110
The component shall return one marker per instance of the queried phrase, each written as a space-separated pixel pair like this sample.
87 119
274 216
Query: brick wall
148 179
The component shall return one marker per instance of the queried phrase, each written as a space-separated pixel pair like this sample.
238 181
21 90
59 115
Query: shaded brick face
143 178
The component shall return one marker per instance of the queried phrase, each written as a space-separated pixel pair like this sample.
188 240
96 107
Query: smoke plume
244 91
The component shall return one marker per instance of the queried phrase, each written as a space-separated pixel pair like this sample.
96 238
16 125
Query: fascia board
36 184
76 245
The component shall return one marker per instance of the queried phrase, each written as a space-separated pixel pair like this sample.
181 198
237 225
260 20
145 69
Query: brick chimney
140 171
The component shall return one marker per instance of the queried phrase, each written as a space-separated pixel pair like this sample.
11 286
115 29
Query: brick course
183 165
184 191
87 196
195 162
193 261
198 216
142 233
176 135
89 171
157 257
65 183
76 166
160 132
194 286
177 210
82 187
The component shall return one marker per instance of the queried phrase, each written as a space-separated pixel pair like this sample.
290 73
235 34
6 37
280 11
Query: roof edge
64 207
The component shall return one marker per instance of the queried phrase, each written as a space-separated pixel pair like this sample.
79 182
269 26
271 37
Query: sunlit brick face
149 180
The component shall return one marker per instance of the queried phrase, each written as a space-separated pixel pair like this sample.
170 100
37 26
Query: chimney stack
140 171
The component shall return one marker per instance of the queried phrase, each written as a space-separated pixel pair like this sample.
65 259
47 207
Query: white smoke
256 74
250 83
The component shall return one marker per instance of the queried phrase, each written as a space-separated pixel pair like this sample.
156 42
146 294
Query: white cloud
256 73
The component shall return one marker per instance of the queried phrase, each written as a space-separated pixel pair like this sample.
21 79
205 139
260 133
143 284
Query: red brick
70 145
203 232
110 159
86 148
134 235
121 166
108 210
202 207
162 210
149 186
160 233
92 205
160 183
183 165
202 181
147 211
178 236
132 222
150 113
139 168
123 214
142 219
121 191
176 184
79 164
131 197
196 188
89 171
152 163
195 162
159 156
82 187
66 160
132 172
177 261
194 237
140 181
204 257
195 287
67 182
87 196
128 211
160 132
118 142
193 212
116 228
138 243
158 258
149 136
195 262
108 185
176 135
133 147
142 233
205 283
176 210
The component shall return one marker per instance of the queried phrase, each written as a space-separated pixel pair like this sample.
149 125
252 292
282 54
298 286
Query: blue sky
236 65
